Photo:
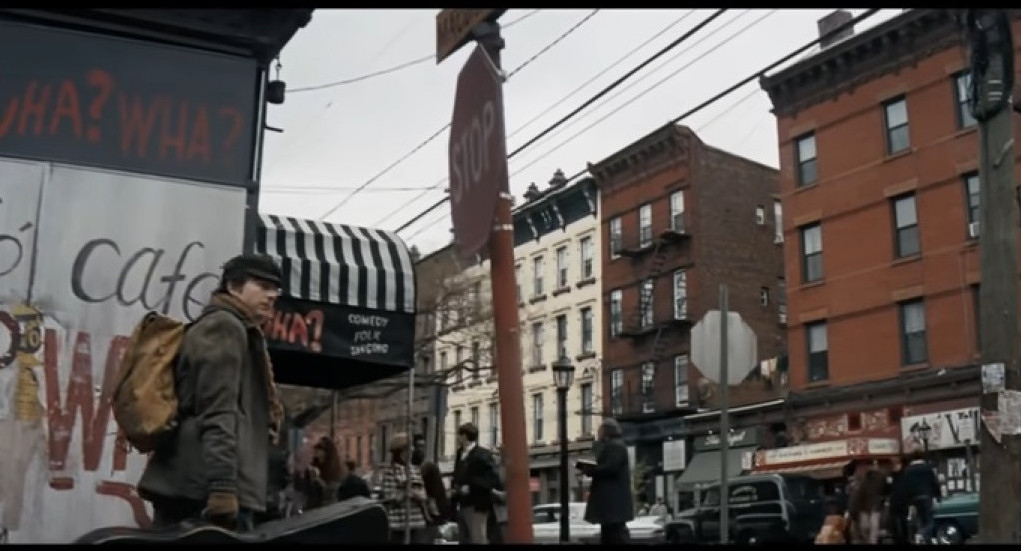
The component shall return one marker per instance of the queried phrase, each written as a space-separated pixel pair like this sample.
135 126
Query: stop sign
477 152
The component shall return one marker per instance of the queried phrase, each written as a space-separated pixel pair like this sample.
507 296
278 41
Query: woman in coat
405 510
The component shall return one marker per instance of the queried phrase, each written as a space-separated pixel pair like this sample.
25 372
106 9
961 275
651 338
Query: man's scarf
276 410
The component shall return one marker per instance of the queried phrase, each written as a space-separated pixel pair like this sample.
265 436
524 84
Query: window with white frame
777 221
760 215
617 392
677 211
764 296
616 320
586 258
648 387
818 352
458 360
561 336
781 299
905 219
972 190
475 416
562 267
646 302
494 425
443 362
895 115
616 237
914 348
537 338
457 420
681 380
537 268
680 295
586 409
962 91
811 253
476 359
587 345
645 225
537 420
804 151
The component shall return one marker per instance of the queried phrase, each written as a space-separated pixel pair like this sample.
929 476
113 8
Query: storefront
544 473
828 460
949 436
705 465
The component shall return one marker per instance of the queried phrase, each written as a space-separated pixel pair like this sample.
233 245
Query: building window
616 392
475 416
537 344
459 359
561 336
895 114
443 362
645 225
537 276
587 344
648 387
777 221
494 425
646 302
760 215
912 331
537 418
561 267
586 257
905 218
586 409
616 237
764 296
680 295
681 380
781 299
677 211
972 188
616 322
818 352
517 281
457 420
962 91
811 253
358 450
804 152
476 359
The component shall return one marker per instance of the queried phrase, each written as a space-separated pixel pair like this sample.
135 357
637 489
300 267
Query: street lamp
924 430
563 376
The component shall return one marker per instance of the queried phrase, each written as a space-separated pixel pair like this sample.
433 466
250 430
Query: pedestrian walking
610 504
405 510
473 482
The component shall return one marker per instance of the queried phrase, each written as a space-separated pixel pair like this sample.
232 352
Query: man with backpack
211 464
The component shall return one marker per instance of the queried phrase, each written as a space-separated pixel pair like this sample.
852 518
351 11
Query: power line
710 101
436 134
594 98
621 80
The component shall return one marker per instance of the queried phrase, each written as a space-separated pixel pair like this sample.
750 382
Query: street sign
477 153
454 27
742 347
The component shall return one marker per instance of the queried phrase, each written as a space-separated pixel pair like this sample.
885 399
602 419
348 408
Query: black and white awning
346 314
339 264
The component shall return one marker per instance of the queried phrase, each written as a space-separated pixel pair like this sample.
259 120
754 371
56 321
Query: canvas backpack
144 399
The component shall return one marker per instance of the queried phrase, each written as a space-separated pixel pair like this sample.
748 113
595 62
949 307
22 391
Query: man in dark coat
351 485
473 482
215 464
610 504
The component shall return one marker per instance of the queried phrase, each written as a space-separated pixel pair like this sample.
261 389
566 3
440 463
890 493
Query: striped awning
822 470
339 264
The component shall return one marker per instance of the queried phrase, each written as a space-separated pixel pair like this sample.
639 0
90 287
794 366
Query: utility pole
992 73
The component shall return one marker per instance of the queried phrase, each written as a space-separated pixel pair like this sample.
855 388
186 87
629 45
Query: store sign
947 429
674 455
838 449
738 438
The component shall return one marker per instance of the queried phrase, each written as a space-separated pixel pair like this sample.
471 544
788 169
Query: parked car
546 524
647 529
448 534
767 508
955 519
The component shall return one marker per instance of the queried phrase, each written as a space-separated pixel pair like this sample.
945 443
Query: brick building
679 218
879 185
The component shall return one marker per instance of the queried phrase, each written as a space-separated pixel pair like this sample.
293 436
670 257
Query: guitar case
357 520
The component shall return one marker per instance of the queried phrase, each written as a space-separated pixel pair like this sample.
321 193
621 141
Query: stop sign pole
480 209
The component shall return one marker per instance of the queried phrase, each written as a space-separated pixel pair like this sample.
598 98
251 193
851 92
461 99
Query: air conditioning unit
973 230
783 318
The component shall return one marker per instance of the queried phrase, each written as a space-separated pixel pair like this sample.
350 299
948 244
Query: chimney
558 180
830 23
532 193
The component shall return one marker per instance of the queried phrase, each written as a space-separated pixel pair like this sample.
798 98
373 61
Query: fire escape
644 327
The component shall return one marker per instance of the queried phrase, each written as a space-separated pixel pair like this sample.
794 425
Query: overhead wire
684 36
856 20
436 134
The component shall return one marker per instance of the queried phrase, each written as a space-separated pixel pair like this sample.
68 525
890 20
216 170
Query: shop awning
705 466
822 471
346 314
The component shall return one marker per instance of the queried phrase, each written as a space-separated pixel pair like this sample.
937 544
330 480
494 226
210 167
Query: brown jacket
222 441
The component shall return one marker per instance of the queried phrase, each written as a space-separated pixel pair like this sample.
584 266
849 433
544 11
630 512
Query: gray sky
335 139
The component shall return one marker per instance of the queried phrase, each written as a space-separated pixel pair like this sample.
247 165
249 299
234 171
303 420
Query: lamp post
924 430
563 376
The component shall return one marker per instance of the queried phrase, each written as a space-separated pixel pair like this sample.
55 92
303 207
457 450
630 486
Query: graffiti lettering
11 249
126 492
160 126
79 398
294 328
136 277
